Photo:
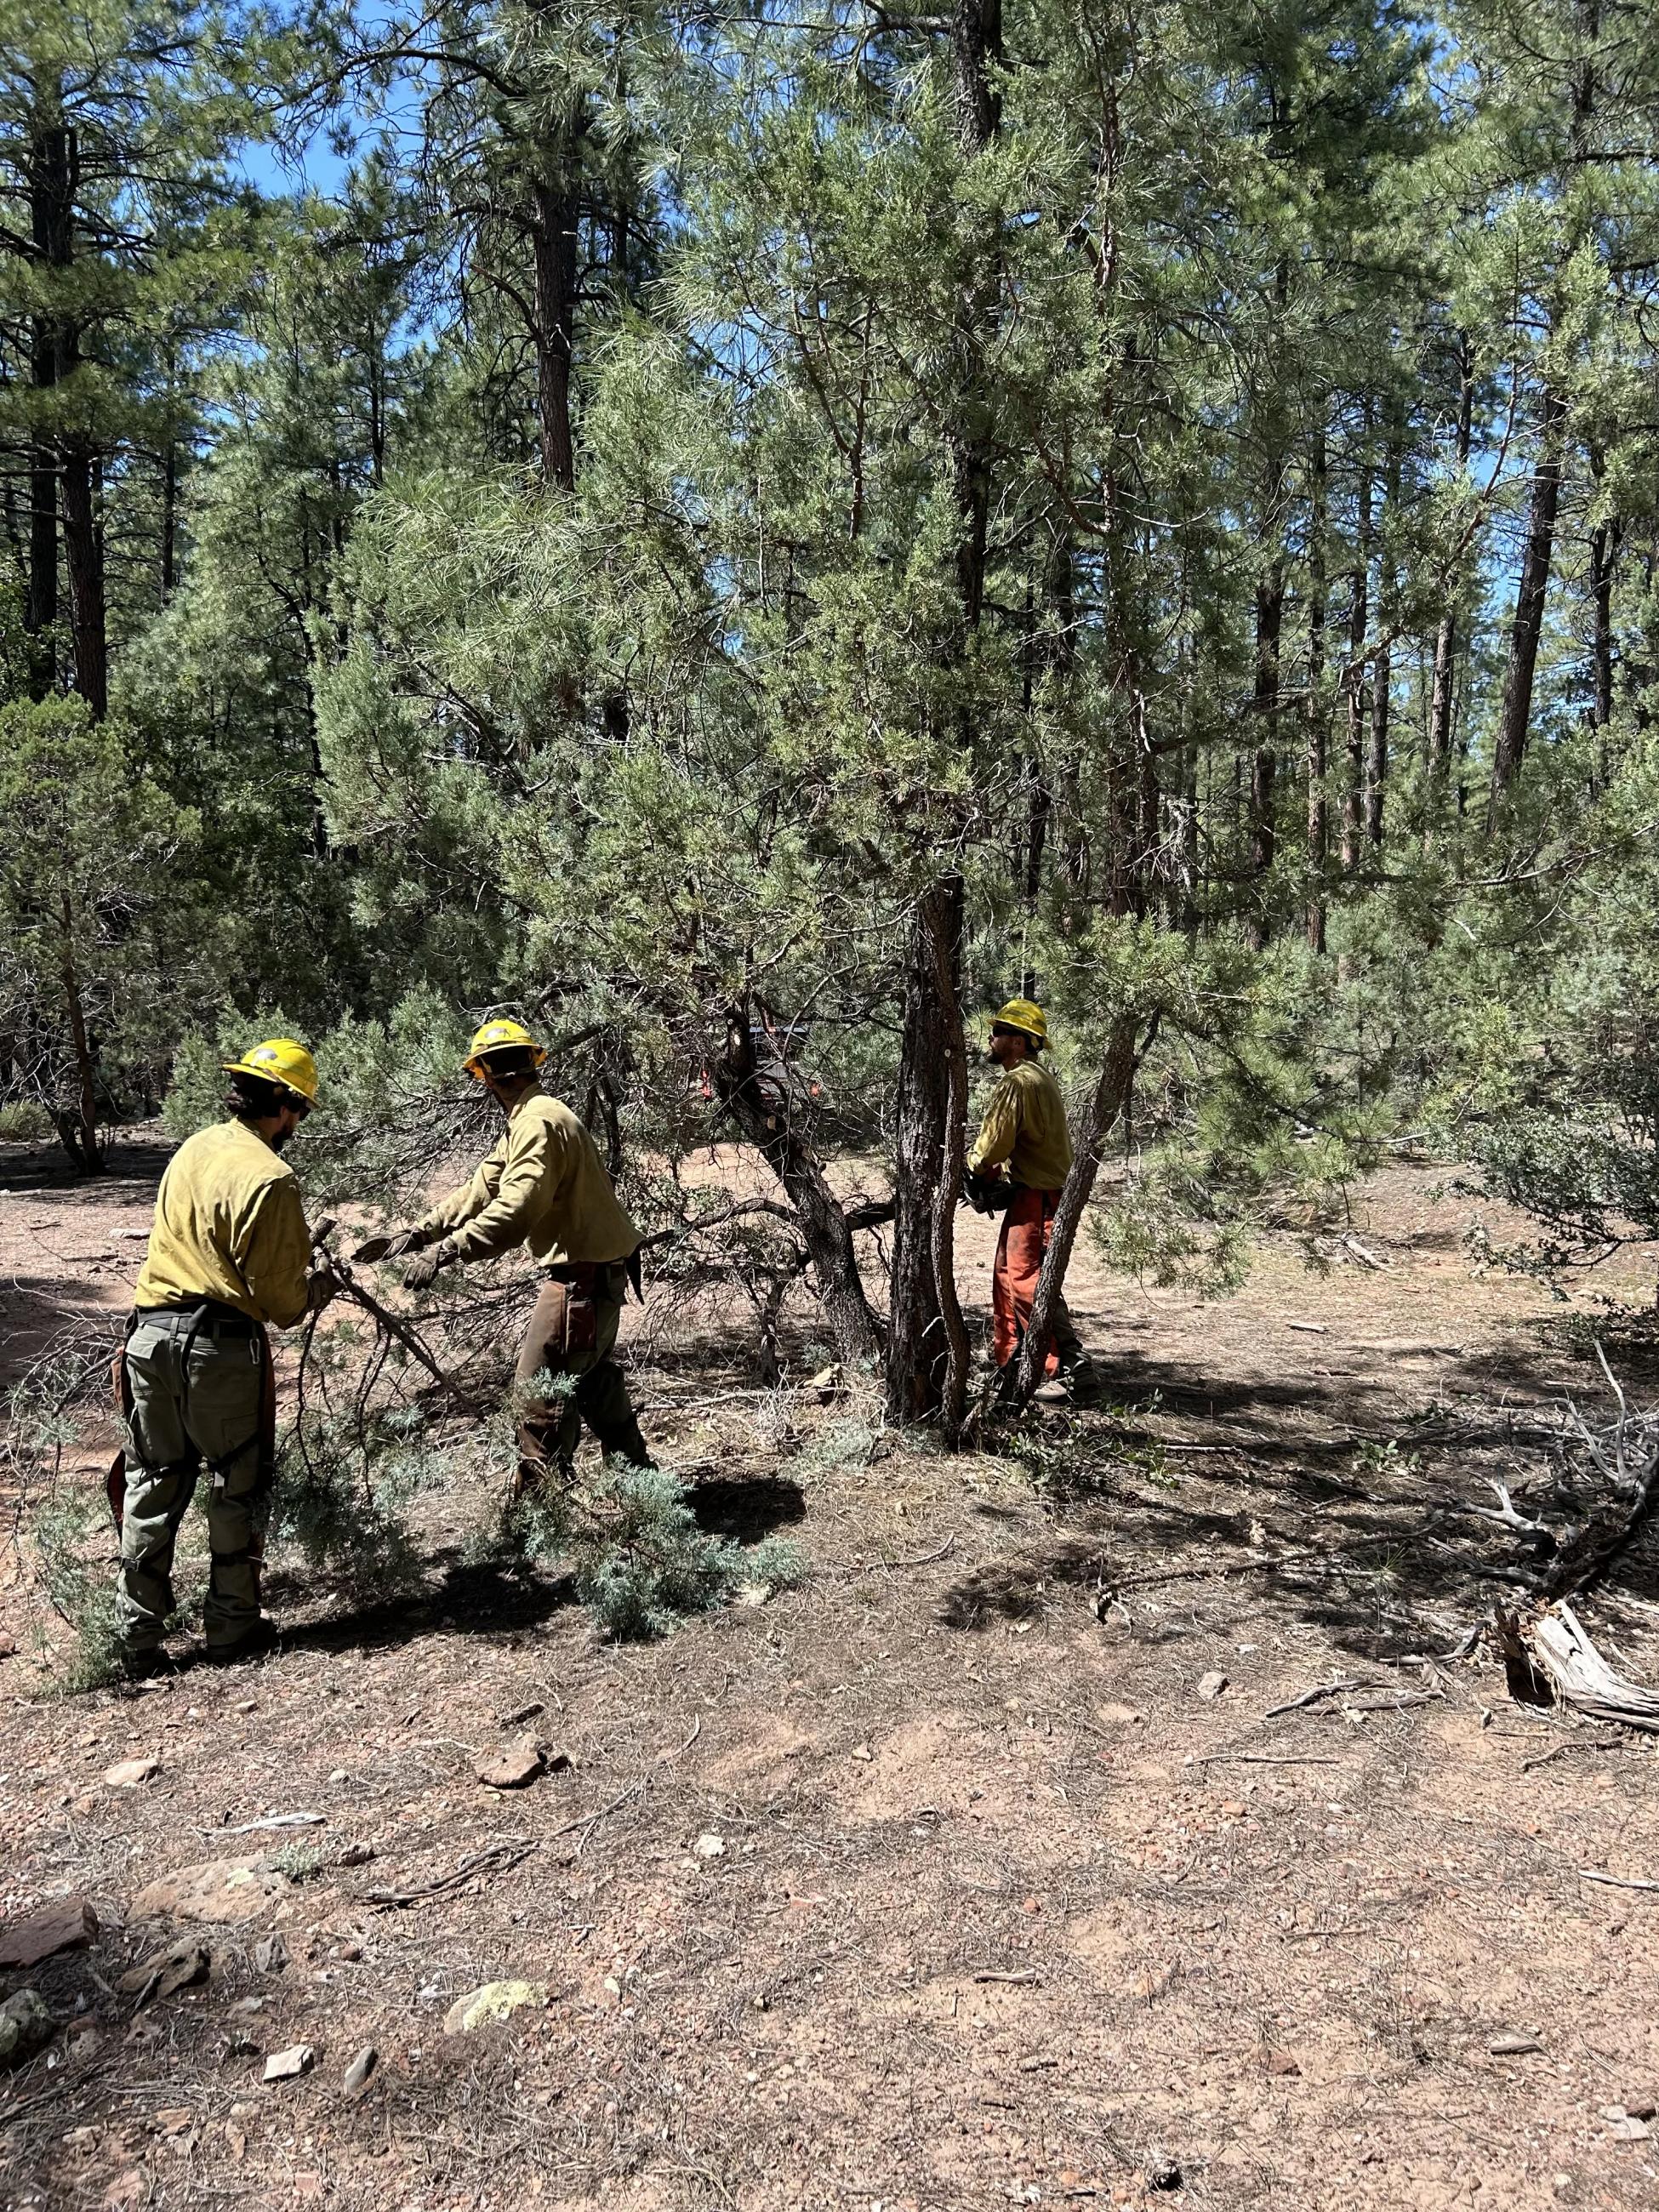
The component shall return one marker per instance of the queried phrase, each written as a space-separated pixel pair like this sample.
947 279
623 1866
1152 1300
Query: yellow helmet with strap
500 1036
1022 1014
282 1061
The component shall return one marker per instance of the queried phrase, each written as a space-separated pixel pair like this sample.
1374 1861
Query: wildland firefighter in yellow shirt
1023 1150
229 1255
543 1185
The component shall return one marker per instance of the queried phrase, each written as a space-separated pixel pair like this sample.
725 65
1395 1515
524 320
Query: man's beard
279 1140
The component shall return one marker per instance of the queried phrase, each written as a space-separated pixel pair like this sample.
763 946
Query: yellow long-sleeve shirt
229 1225
1024 1126
543 1185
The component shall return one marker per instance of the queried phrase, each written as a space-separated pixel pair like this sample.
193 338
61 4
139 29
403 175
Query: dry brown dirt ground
936 1883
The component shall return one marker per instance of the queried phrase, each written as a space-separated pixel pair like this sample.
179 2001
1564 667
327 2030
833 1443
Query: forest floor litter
1121 1816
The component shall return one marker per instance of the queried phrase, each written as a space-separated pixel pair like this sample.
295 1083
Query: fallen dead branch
1319 1689
1616 1881
1595 1743
922 1558
1262 1759
1362 1253
494 1858
588 1821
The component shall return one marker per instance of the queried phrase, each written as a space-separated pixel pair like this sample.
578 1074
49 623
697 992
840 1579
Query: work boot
144 1666
1082 1381
627 1444
262 1638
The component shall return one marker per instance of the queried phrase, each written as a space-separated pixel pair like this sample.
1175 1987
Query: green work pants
197 1395
572 1332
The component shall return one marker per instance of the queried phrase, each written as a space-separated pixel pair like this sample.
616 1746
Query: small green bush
640 1562
24 1123
80 1591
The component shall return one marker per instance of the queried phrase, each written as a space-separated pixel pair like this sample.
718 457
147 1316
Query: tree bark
1514 715
1264 767
1316 724
1604 559
1376 766
51 240
823 1227
1353 676
83 560
926 1341
1444 692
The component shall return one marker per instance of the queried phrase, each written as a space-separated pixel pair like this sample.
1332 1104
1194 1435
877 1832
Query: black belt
210 1316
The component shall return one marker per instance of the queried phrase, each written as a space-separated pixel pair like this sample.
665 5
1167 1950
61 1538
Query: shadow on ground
1319 1495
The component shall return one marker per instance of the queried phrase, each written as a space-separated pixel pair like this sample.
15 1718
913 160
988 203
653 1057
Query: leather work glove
421 1274
322 1285
393 1248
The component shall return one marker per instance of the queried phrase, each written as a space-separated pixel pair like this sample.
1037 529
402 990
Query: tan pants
196 1392
566 1375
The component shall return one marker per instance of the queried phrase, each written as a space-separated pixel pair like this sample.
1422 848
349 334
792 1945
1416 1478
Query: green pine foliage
1181 482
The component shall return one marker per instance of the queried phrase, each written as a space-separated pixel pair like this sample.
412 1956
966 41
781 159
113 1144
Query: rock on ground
495 2001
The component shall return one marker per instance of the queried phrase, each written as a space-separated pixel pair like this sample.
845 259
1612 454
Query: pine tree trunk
1514 715
926 1343
84 563
51 241
1353 677
1376 766
1604 559
1444 689
1264 767
1317 723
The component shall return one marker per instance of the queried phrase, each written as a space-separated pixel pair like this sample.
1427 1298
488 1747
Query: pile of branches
1605 1482
1602 1486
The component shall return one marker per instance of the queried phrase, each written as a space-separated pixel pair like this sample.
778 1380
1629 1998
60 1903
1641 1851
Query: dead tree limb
772 1124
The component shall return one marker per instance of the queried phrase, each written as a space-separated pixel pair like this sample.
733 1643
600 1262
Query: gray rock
25 2025
359 2069
288 2065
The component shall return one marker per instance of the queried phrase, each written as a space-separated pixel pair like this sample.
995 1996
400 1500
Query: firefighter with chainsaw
229 1256
1019 1162
543 1185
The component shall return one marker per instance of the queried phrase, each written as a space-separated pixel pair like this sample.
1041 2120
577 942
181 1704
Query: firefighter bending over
544 1185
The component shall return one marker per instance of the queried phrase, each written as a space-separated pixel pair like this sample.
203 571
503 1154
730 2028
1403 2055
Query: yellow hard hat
279 1060
1021 1014
500 1036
